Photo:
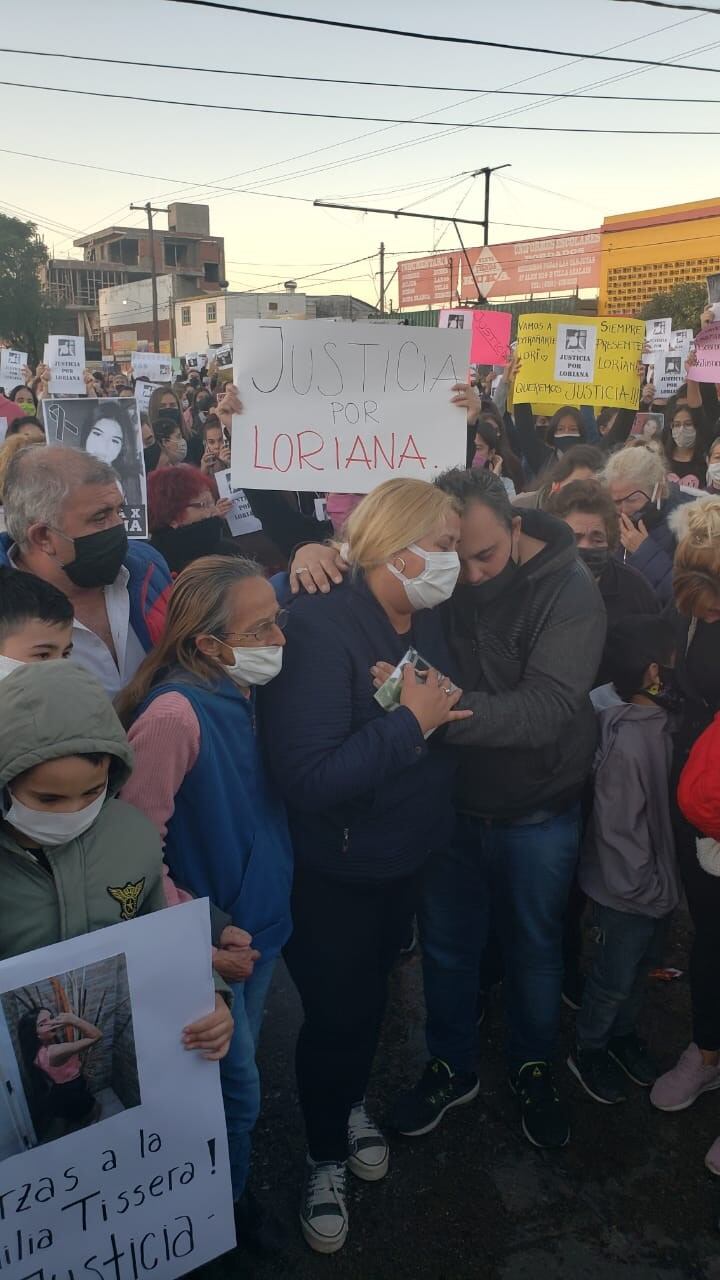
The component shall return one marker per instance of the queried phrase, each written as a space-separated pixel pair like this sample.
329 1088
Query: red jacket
699 785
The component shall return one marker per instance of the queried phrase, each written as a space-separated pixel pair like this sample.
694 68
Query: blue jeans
625 947
239 1075
519 875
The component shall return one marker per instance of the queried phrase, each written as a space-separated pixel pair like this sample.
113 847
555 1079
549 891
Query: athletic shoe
369 1154
597 1074
572 989
631 1055
712 1159
323 1212
679 1087
419 1110
545 1121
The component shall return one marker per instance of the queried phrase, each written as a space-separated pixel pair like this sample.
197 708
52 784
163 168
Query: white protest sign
148 364
11 366
223 356
669 373
194 360
3 429
657 337
241 518
575 353
144 1186
682 340
143 395
343 408
66 358
107 428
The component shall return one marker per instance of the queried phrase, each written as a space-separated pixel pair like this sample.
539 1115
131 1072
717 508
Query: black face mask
170 414
649 515
152 456
669 696
595 558
483 593
563 443
191 541
98 557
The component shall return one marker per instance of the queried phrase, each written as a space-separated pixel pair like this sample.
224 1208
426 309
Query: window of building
185 315
176 253
211 312
272 306
211 272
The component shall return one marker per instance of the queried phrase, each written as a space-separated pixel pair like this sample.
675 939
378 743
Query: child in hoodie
627 864
73 858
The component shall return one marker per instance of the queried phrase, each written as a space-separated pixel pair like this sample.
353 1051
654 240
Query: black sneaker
598 1075
630 1053
545 1120
419 1110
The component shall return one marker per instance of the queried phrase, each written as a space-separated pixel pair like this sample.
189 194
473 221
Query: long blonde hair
396 514
696 570
198 605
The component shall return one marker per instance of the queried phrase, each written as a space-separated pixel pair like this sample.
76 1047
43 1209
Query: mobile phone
389 693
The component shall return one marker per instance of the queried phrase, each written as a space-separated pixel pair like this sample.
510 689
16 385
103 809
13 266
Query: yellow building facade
652 250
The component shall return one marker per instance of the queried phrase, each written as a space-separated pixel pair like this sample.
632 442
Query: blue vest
228 839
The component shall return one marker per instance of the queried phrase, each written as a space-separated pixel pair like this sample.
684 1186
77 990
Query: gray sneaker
369 1155
323 1212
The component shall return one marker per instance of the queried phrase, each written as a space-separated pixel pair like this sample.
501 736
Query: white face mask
259 665
8 665
47 828
713 478
437 580
180 450
684 437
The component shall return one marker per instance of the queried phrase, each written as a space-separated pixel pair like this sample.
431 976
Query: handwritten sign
66 358
133 1192
241 518
151 365
566 360
342 408
669 373
490 333
11 366
707 353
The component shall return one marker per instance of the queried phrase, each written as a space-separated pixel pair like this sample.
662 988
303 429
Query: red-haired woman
185 517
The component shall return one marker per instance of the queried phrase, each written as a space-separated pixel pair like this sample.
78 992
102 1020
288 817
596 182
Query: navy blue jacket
227 838
654 557
368 799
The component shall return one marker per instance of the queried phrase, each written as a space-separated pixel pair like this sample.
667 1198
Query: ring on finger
304 569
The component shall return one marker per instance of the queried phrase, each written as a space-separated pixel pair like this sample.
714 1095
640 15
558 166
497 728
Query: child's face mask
47 828
8 665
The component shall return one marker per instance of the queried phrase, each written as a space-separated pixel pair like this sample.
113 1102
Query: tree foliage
26 314
685 304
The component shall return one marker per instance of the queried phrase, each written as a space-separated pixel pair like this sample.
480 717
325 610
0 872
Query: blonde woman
696 583
369 795
645 500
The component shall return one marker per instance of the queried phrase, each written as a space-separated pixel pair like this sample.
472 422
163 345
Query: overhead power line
425 35
369 84
682 8
331 115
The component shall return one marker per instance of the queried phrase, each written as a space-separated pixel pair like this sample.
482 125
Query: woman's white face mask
437 580
47 828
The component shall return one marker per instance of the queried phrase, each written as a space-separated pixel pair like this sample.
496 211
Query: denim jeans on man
626 946
239 1075
519 874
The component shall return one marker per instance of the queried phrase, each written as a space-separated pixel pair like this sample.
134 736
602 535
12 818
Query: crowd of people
482 709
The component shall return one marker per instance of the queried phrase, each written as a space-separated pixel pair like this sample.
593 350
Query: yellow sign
579 360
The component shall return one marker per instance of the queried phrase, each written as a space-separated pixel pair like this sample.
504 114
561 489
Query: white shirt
91 653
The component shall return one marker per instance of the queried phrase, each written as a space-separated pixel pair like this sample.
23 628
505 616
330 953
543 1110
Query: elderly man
64 520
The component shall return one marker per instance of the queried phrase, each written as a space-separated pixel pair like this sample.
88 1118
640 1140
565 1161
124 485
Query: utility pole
486 220
382 278
153 269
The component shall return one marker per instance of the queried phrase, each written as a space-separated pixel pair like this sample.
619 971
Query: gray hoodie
628 856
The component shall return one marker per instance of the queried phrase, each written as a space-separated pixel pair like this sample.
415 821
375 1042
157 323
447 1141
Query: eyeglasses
201 506
630 497
265 628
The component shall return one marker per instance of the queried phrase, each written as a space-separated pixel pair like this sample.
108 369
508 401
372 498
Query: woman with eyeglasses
185 517
199 777
645 502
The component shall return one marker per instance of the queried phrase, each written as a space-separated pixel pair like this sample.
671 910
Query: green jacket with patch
111 873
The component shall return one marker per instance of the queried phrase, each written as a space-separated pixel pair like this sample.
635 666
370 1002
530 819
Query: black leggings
71 1101
703 898
345 940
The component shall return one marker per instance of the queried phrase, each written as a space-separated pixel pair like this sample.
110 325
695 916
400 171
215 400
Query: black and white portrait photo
108 429
576 340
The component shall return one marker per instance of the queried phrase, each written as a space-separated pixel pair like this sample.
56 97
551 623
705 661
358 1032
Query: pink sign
490 332
707 352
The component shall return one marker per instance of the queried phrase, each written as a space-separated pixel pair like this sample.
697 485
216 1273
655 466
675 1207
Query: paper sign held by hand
578 360
707 353
12 364
66 358
341 408
490 333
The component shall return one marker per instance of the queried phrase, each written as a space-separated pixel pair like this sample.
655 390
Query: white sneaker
323 1213
369 1154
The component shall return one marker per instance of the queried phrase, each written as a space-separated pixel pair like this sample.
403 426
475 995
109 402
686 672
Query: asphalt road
628 1199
